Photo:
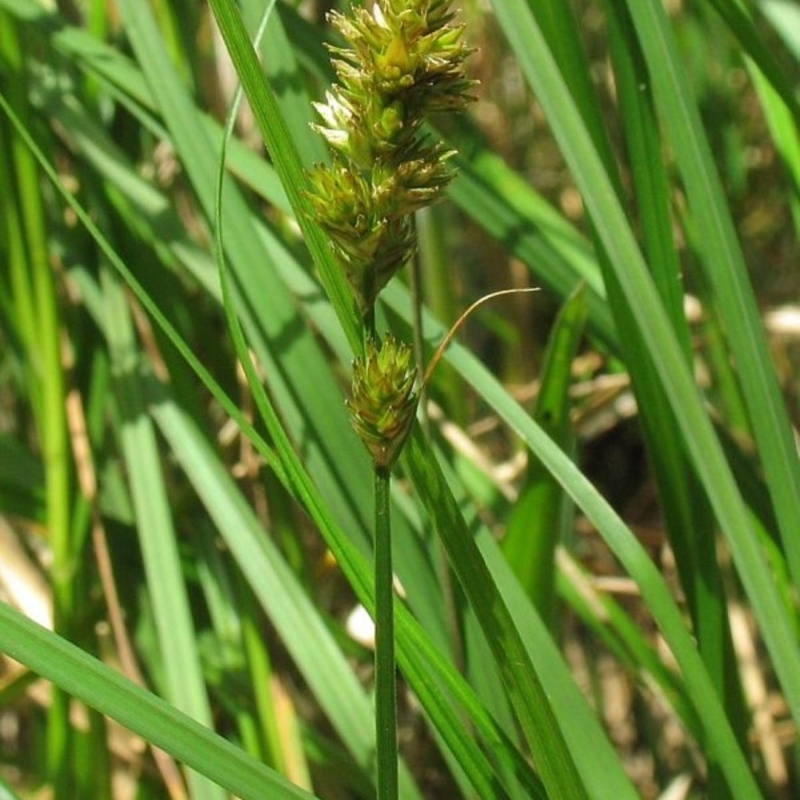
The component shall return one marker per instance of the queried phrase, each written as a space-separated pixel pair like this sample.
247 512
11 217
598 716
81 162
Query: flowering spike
383 403
403 60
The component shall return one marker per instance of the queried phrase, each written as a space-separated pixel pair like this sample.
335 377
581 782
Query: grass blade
727 274
623 253
185 685
82 676
287 163
536 522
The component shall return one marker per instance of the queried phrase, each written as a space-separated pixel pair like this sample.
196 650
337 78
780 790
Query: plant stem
38 325
385 687
415 273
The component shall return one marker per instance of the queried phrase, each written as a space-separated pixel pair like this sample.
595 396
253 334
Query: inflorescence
403 60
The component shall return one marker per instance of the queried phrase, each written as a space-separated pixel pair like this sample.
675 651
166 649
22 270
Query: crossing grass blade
100 687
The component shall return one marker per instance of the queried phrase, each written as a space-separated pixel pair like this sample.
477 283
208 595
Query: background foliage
595 521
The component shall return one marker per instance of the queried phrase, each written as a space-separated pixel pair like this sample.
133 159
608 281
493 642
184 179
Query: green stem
385 688
415 273
38 326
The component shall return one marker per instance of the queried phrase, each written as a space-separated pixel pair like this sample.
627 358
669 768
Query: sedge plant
401 62
728 512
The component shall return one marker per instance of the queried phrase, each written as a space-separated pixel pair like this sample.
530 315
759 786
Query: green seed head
402 60
383 403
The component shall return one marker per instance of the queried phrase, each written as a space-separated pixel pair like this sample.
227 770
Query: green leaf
536 523
88 679
287 163
625 257
185 686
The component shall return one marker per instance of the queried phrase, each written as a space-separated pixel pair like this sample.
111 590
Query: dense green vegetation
594 518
